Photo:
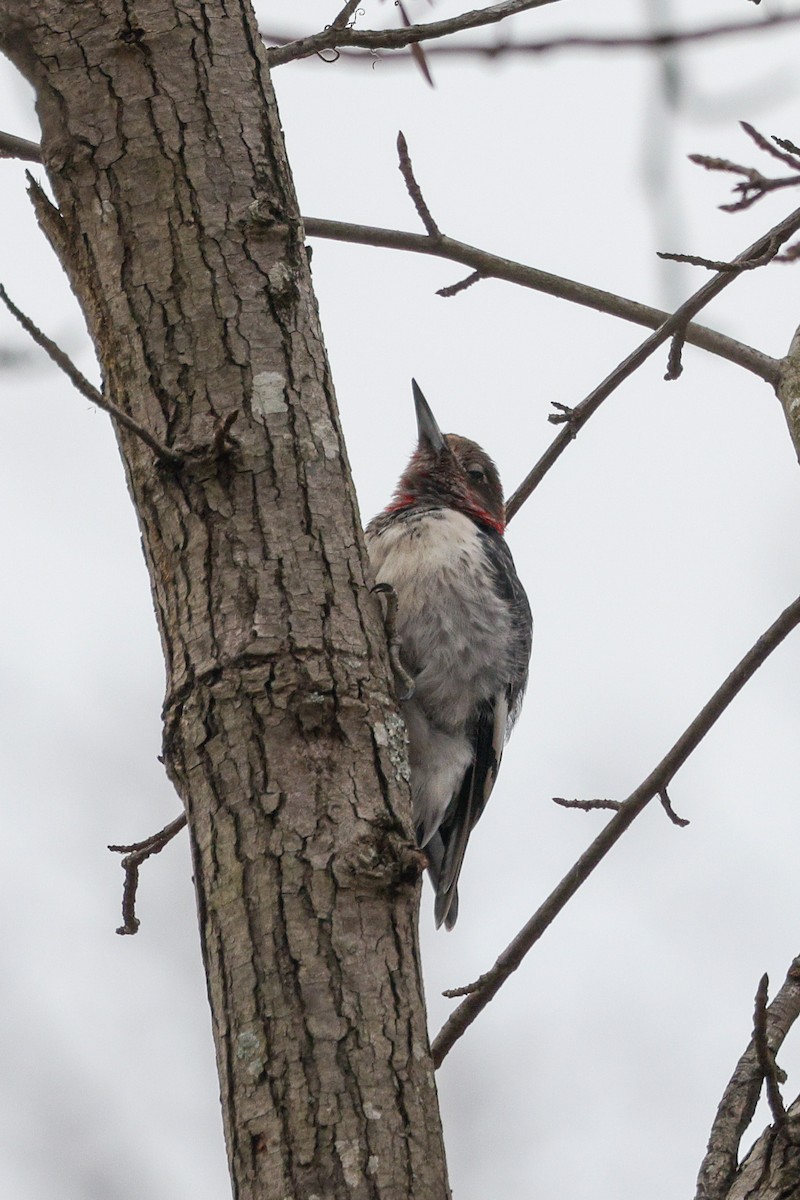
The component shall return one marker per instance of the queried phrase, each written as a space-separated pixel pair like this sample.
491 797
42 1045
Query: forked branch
675 327
493 266
754 186
135 855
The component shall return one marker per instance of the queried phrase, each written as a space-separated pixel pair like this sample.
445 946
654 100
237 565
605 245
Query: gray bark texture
771 1170
788 391
176 221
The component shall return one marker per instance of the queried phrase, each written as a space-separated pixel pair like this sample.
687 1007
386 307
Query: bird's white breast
454 627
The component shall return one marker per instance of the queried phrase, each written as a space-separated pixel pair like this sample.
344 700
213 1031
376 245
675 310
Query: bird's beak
427 428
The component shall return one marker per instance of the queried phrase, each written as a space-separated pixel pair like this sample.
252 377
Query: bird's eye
476 474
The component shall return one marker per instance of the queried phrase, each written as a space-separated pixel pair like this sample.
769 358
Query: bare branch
675 356
17 147
738 1104
711 264
395 39
414 190
587 805
492 266
417 53
135 855
766 1059
499 49
765 144
562 415
82 384
754 186
454 288
658 780
676 327
666 804
343 19
788 146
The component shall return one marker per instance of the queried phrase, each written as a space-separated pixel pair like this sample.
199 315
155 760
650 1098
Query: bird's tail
445 909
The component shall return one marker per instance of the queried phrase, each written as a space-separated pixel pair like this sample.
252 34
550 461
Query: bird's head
450 470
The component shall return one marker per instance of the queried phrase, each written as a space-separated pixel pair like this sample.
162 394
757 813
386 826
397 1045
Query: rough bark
771 1170
788 391
177 223
719 1171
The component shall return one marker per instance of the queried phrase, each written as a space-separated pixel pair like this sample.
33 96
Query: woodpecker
465 629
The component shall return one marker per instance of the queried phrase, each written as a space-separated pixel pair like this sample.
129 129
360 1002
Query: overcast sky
659 548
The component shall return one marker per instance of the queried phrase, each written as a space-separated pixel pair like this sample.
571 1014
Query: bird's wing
508 585
464 812
493 726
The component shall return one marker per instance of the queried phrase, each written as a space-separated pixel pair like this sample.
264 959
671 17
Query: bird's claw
401 675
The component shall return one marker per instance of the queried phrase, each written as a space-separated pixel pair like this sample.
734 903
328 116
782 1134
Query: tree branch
738 1103
344 16
588 805
135 855
395 39
82 384
413 188
754 185
766 1059
675 327
653 41
17 147
492 266
485 988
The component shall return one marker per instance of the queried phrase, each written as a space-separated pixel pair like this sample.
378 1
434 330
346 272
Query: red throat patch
477 514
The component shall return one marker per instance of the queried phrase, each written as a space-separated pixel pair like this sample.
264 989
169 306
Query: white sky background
661 545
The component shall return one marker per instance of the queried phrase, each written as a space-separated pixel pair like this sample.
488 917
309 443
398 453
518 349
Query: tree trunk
177 223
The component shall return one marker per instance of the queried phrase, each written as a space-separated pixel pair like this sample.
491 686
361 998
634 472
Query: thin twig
82 384
453 289
676 324
788 146
135 855
284 49
666 804
417 53
395 39
675 357
588 805
739 1100
659 779
766 1059
712 264
562 415
342 20
763 143
220 436
492 266
414 190
754 185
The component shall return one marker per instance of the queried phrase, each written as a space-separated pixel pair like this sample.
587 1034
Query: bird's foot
404 681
